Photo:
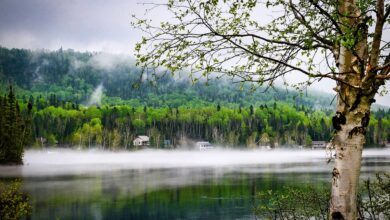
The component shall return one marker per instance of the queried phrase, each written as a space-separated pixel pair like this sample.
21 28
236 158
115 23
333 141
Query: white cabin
204 145
141 141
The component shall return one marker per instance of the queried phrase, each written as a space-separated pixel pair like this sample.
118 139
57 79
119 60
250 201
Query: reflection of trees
110 186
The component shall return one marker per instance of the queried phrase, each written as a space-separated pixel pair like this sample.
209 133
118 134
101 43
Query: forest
114 127
73 76
61 86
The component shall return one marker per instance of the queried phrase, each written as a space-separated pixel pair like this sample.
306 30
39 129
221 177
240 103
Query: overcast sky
97 25
93 25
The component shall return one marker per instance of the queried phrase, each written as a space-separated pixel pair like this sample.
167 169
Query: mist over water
69 162
168 184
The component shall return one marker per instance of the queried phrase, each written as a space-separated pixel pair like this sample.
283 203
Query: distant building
167 143
141 141
203 145
318 145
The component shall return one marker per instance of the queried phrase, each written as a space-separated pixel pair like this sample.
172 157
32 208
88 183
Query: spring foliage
14 204
116 127
308 202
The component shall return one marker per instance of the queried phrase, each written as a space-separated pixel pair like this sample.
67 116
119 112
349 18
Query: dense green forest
62 86
73 76
114 127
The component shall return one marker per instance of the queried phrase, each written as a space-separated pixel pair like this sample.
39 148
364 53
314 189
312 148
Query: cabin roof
142 137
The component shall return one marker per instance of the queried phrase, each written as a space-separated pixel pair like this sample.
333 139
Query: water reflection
158 194
96 188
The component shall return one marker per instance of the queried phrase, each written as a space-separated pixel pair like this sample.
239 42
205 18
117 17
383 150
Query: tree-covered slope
73 76
91 99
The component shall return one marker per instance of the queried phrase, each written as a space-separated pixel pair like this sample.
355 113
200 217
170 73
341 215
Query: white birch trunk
353 111
345 180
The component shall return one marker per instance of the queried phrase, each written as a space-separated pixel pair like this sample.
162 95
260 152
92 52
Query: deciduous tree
233 38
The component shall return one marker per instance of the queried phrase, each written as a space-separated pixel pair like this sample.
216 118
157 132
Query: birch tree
341 40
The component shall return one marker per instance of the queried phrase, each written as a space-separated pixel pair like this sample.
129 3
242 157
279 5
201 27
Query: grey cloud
84 25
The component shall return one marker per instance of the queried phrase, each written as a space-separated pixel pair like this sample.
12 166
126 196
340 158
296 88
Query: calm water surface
65 184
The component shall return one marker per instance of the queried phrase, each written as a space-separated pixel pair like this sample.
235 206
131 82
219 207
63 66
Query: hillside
97 99
74 76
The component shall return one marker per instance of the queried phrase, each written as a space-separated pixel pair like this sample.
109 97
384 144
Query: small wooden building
318 145
141 140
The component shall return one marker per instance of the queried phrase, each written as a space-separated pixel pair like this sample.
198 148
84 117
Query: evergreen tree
13 130
2 124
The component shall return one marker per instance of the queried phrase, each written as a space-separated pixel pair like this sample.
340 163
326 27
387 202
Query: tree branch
385 69
303 21
302 47
380 20
322 11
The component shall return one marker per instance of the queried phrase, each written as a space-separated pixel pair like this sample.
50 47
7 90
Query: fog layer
69 162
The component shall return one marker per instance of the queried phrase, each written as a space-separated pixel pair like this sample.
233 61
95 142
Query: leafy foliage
294 203
375 202
14 204
307 202
229 38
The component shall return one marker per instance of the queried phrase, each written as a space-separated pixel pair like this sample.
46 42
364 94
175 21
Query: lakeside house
204 145
141 140
318 145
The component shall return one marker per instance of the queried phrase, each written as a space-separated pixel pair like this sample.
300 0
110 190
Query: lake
152 184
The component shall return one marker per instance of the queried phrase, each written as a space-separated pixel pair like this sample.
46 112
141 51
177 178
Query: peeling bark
350 125
348 140
352 114
347 169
